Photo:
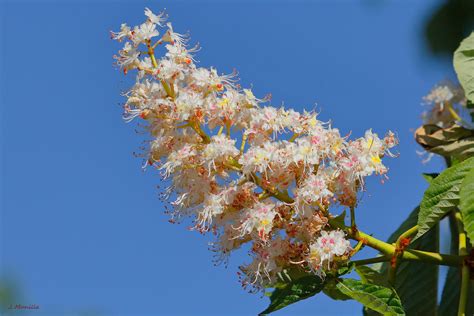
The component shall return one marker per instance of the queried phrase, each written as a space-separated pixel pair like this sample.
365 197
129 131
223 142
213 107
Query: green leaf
331 290
455 141
343 269
293 291
378 298
371 276
466 204
338 221
288 275
416 283
429 176
464 65
442 195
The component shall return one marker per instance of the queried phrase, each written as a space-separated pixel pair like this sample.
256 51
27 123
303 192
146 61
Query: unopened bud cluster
256 176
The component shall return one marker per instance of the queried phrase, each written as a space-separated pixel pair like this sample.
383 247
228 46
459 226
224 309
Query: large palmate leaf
466 204
442 195
286 293
416 283
376 297
464 65
455 141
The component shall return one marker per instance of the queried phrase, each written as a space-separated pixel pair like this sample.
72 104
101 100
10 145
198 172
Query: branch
409 254
362 262
400 245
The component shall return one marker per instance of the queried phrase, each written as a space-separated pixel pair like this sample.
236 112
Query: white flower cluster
326 247
248 172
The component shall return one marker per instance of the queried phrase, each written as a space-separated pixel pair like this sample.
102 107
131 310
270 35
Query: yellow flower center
264 222
223 102
376 160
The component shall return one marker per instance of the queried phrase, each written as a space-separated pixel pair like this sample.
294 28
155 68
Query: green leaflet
371 276
378 298
293 291
466 204
416 283
330 285
331 290
338 221
442 195
429 176
463 61
295 284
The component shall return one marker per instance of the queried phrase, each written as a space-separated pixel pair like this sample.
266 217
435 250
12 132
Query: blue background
82 229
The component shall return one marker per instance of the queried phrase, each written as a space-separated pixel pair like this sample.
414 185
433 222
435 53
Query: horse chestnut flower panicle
239 167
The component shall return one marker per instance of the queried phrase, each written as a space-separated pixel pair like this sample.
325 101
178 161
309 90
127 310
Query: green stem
167 88
412 231
280 195
197 128
432 257
362 262
465 268
464 290
409 254
357 248
392 272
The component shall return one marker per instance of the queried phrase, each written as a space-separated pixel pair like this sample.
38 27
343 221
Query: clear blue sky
82 228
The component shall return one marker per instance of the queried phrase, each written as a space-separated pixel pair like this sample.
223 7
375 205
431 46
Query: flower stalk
409 254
